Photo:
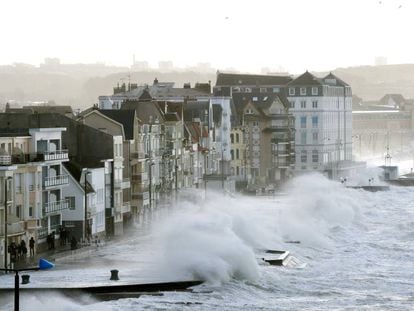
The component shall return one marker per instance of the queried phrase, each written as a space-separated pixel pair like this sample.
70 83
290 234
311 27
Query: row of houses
96 172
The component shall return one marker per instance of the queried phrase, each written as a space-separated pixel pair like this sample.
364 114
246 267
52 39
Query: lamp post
222 169
5 222
85 226
150 164
43 265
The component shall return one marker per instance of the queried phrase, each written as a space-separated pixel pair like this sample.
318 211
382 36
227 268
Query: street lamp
5 221
222 169
85 225
43 265
150 164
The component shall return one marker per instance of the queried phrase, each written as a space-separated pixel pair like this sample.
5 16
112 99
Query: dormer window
303 91
291 91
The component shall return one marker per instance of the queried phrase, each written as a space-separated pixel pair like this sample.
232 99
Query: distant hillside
373 82
80 85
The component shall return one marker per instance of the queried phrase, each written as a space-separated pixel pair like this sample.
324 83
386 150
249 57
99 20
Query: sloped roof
306 79
229 79
172 116
196 130
331 79
125 117
144 110
397 98
75 170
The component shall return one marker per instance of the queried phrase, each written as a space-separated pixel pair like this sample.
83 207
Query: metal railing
42 233
5 160
56 206
58 180
56 155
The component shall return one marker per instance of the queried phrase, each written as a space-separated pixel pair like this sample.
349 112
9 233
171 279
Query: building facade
322 108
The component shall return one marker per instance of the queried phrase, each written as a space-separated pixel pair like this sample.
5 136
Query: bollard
114 275
25 279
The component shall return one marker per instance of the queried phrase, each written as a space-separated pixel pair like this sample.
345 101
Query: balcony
139 177
140 195
5 160
42 233
126 207
278 128
56 155
122 184
54 181
137 155
55 207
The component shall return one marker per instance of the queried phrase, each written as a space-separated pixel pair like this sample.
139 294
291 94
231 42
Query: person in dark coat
53 239
31 246
73 243
23 248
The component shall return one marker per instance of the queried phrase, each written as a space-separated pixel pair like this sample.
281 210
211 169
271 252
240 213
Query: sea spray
214 241
315 205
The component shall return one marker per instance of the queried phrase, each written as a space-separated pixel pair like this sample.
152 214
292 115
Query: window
18 211
291 91
255 99
291 104
315 122
314 104
314 90
236 89
71 201
303 104
237 154
303 122
30 211
232 138
315 157
249 111
303 156
100 195
315 137
276 90
237 138
232 154
303 138
247 90
263 90
303 91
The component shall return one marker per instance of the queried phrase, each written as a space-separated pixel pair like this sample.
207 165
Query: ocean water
357 249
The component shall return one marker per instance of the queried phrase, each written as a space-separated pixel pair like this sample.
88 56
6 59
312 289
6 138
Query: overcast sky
293 34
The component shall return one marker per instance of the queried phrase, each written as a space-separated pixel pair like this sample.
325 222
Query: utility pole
85 227
5 221
222 170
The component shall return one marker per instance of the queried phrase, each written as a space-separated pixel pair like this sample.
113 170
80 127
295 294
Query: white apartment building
37 180
322 108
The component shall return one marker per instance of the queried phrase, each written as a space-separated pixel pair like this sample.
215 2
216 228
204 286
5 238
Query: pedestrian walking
73 243
23 248
31 246
52 240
